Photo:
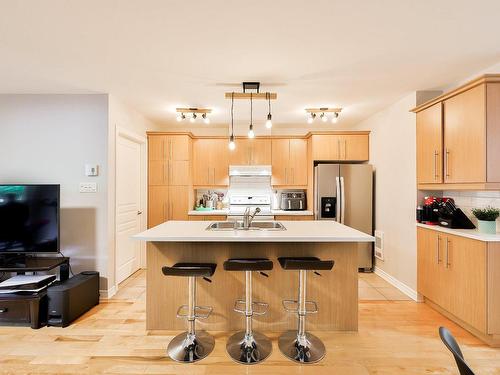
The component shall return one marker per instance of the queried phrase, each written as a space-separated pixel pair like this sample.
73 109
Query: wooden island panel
335 291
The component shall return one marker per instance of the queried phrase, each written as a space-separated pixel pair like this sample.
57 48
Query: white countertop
469 233
273 212
296 231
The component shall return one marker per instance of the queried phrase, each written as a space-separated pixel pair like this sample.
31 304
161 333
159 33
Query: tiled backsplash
467 200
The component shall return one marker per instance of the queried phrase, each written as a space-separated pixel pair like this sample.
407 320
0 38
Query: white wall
393 155
48 139
122 116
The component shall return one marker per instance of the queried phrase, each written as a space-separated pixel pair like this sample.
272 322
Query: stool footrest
200 312
292 306
258 308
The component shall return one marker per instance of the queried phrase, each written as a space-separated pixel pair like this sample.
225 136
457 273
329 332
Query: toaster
293 201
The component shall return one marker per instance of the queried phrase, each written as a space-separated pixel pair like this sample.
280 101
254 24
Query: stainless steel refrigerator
344 193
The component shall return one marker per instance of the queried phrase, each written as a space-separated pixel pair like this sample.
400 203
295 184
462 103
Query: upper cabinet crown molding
486 78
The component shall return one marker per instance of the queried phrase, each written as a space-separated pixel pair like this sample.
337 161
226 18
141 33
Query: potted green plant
486 219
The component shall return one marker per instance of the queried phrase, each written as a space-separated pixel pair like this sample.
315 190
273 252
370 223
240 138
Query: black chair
301 346
452 345
192 345
249 346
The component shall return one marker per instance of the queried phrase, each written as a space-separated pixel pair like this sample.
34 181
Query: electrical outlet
88 187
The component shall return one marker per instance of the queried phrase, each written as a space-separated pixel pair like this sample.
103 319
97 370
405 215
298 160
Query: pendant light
335 117
205 118
232 145
251 133
269 123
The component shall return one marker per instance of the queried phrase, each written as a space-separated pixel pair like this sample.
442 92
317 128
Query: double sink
238 225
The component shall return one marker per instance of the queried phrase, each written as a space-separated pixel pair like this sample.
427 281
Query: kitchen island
336 291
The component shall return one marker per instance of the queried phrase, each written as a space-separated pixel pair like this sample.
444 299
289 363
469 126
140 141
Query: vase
488 227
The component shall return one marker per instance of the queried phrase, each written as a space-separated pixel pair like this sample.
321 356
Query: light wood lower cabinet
293 217
207 218
460 276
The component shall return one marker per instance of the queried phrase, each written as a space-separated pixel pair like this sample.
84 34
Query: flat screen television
29 219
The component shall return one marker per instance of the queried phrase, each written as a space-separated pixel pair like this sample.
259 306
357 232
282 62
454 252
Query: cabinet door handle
213 176
345 149
171 211
169 173
448 264
338 149
292 172
436 165
286 177
170 149
446 162
438 260
208 176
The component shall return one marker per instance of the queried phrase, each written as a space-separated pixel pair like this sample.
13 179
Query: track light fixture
312 112
232 145
206 120
335 118
269 122
194 114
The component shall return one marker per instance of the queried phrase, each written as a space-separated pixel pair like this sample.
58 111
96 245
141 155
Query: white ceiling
156 55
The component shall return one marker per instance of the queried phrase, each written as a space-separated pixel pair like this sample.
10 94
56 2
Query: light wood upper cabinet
298 162
464 154
340 147
210 162
289 162
179 147
280 159
465 137
325 146
251 152
430 145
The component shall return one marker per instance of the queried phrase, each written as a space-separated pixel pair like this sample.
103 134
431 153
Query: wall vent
379 244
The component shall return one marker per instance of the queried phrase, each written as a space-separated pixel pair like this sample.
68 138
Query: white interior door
128 206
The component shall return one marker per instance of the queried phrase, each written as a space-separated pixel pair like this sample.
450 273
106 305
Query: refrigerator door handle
342 200
338 208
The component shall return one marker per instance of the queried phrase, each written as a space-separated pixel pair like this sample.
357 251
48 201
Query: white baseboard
107 294
397 284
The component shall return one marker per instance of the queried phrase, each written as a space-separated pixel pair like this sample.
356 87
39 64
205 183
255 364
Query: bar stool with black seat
191 346
249 347
301 346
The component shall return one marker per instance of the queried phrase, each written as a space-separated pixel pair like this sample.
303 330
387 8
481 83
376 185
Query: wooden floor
395 337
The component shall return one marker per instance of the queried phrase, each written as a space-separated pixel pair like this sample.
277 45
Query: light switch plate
91 170
88 187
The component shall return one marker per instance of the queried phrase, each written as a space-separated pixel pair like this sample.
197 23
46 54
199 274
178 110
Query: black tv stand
21 263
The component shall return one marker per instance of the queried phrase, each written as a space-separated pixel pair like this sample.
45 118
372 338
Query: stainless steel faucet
248 217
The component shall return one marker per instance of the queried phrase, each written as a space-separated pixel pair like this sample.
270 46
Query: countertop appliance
293 201
344 193
239 203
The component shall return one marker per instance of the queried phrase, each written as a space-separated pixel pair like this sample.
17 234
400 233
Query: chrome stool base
249 350
188 348
311 351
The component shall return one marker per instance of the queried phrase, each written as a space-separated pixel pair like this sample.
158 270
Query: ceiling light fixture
251 133
232 145
269 122
206 120
193 114
323 111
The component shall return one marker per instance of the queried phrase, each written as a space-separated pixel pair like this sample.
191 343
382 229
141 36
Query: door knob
139 212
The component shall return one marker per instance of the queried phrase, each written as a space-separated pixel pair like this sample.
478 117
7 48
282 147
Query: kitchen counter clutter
336 291
473 234
296 231
226 212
